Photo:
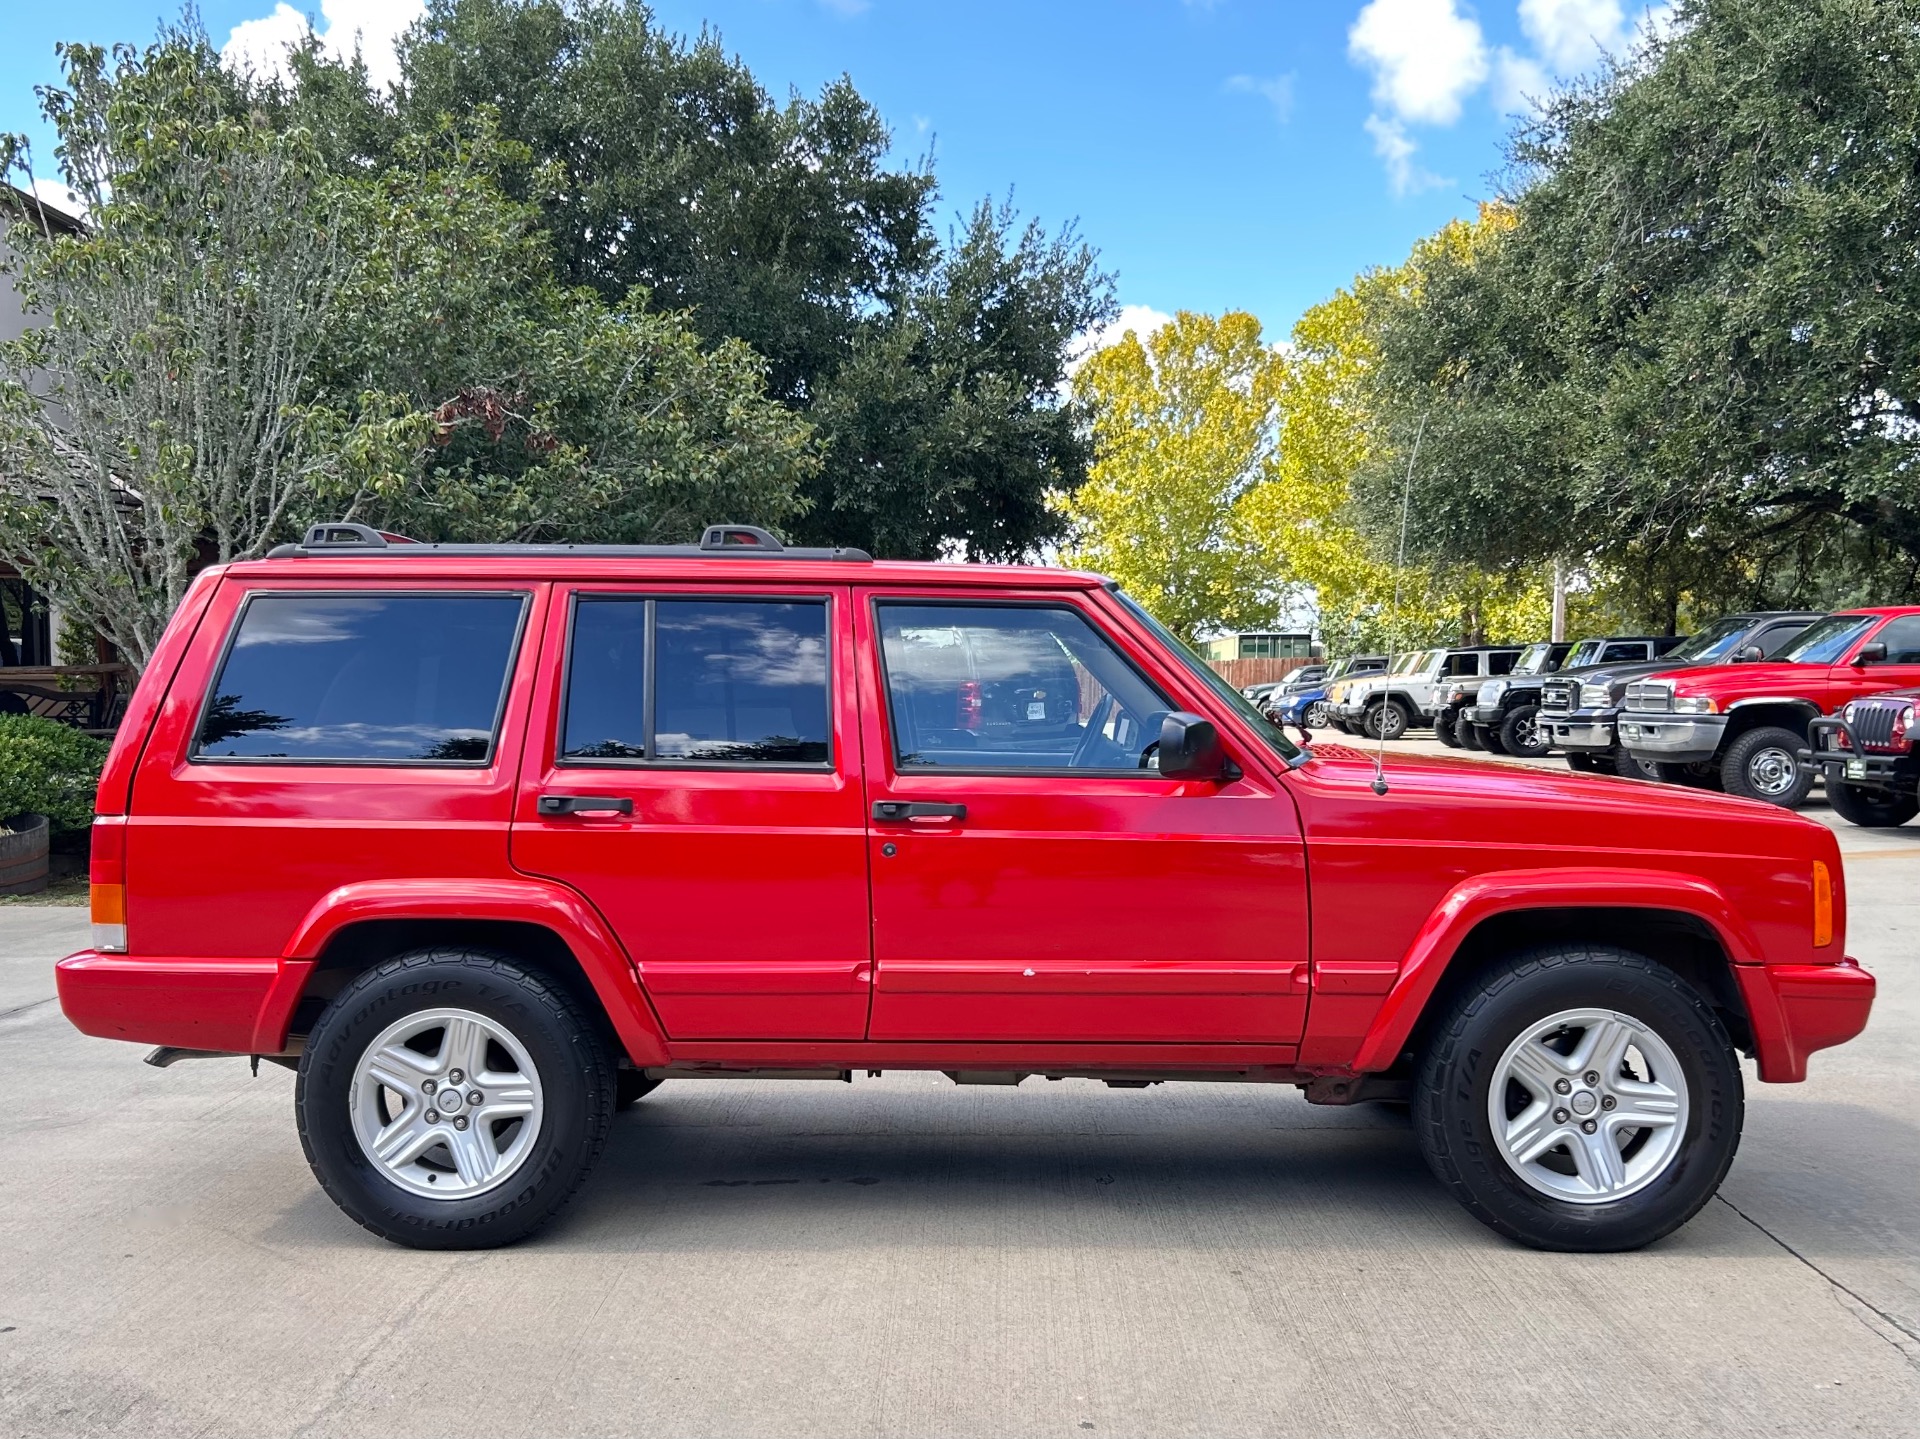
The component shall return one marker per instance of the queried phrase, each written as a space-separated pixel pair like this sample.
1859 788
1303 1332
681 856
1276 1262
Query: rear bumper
1665 737
236 1005
1798 1008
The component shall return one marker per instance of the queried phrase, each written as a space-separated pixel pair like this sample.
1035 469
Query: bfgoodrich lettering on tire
451 1099
1580 1098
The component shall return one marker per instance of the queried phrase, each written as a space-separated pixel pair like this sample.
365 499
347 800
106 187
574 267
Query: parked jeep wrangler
487 841
1452 723
1503 712
1866 755
1750 721
1409 695
1577 713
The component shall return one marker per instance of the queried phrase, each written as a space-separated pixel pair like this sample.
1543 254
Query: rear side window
415 679
1463 666
697 682
1501 662
1615 653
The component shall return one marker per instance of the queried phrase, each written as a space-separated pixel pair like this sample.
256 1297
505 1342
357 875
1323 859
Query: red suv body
487 841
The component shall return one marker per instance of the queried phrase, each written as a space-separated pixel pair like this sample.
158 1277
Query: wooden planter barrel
23 854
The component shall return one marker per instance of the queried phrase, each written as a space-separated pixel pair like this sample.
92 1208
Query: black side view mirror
1873 654
1750 654
1190 748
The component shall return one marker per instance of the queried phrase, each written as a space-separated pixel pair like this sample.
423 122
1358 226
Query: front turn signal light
1822 906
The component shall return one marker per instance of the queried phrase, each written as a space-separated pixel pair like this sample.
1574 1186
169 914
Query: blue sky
1221 154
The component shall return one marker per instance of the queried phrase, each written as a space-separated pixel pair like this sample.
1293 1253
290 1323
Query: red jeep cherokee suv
487 841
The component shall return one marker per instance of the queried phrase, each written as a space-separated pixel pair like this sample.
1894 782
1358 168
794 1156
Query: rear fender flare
1481 897
552 907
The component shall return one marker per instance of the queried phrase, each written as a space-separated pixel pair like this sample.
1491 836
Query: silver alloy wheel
1525 733
1772 771
447 1103
1588 1106
1316 716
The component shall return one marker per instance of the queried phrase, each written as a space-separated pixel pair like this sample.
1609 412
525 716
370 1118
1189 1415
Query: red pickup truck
1744 725
485 842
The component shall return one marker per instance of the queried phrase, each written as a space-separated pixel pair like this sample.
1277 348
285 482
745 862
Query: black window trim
998 771
651 761
356 592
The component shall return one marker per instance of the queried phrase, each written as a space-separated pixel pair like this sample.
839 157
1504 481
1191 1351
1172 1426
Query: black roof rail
344 538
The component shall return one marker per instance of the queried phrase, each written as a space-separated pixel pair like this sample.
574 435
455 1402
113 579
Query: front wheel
451 1099
1520 735
1630 766
1470 734
1444 732
1387 720
1490 737
1316 716
1871 808
1764 763
1580 1098
1582 762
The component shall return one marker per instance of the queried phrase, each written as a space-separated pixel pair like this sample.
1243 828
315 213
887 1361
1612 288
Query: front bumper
1488 715
1853 764
1798 1008
1679 738
1581 730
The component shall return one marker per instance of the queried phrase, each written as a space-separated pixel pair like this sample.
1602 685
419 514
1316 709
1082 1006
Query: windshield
1407 663
1587 652
1824 643
1248 712
1535 659
1713 643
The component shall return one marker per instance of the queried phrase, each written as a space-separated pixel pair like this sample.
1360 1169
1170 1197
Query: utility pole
1559 600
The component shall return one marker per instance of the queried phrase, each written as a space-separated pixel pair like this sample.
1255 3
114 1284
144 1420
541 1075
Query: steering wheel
1091 736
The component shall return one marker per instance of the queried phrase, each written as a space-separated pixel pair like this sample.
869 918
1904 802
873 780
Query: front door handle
554 804
900 811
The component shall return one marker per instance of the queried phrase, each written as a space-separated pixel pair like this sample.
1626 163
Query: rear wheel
1764 763
1871 808
1580 1098
450 1099
630 1087
1519 735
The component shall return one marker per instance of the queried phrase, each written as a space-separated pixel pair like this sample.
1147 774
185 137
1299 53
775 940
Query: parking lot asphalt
902 1257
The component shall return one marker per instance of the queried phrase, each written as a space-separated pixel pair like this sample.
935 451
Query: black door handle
900 811
579 803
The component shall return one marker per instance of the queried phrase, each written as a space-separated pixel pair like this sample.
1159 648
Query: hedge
48 768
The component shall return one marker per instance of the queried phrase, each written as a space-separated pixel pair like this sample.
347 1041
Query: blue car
1306 708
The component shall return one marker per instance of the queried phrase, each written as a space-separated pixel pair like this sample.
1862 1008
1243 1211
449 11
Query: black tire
1444 732
630 1087
1316 715
1627 767
1871 808
1451 1097
1520 736
1764 764
1583 762
570 1058
1387 720
1469 734
1697 774
1489 736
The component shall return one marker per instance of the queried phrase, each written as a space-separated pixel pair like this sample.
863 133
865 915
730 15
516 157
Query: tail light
969 716
1822 906
107 883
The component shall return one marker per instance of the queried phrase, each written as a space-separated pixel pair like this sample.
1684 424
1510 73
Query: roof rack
344 537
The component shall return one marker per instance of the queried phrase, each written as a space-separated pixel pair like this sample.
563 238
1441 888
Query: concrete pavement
900 1256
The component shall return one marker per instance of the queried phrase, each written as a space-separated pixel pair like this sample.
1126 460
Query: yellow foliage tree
1183 428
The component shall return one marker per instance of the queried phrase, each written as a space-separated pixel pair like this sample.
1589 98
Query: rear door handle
900 811
581 803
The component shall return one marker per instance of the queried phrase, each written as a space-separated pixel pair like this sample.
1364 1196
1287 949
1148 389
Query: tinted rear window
732 681
370 679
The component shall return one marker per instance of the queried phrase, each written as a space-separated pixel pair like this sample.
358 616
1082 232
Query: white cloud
1142 320
1276 90
1519 82
372 25
1396 150
1569 35
1426 57
55 195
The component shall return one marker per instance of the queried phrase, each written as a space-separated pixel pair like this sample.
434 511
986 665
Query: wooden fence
1241 673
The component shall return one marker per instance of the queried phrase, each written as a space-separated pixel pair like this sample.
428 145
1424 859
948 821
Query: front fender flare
552 907
1502 892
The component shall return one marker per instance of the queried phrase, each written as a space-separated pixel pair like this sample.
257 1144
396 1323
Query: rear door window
1011 687
1614 654
693 682
413 679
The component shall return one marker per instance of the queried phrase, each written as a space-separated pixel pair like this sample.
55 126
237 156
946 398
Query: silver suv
1387 706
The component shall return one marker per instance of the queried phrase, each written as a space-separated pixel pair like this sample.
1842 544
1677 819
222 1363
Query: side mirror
1190 748
1873 654
1750 654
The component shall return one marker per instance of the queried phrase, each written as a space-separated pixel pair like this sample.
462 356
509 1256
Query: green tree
1691 363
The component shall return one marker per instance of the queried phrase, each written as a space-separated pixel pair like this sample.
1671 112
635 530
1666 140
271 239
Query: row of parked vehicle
1758 705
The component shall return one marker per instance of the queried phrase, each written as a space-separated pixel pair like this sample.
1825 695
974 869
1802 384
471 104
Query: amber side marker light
107 887
1822 906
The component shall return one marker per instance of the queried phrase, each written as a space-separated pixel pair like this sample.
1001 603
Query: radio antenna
1379 785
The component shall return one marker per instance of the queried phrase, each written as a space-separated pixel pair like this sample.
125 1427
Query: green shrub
49 769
